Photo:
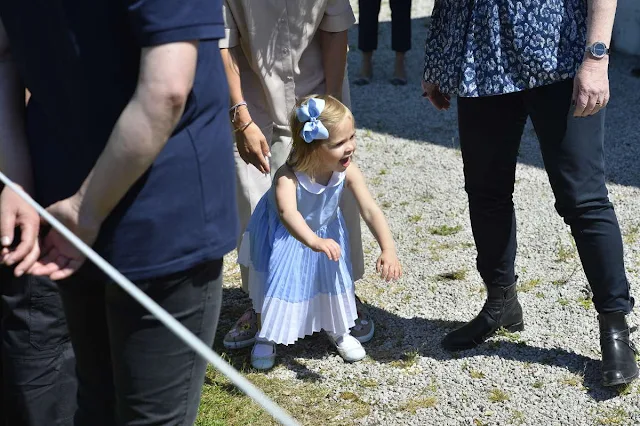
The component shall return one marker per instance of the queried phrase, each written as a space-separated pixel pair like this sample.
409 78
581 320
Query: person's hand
328 247
388 265
253 147
438 99
16 213
59 257
591 87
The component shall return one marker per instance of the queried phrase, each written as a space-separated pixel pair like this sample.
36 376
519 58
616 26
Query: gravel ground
546 375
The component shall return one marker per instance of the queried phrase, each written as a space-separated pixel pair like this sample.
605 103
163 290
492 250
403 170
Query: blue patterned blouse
490 47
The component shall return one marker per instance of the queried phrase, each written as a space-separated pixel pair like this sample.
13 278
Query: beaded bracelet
235 110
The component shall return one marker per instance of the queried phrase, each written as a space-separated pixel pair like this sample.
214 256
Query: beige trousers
252 185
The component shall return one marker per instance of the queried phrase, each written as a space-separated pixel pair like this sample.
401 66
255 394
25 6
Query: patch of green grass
563 301
529 285
382 172
476 374
614 416
585 302
404 203
458 275
223 404
425 198
565 253
408 359
512 337
498 395
412 406
540 295
538 384
369 383
386 204
559 282
631 236
415 218
495 344
517 418
445 230
349 396
376 181
572 380
624 390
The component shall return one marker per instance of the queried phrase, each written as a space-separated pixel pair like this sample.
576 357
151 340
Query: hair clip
313 127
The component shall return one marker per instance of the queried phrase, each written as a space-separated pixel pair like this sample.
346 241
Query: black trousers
400 25
37 365
131 369
572 148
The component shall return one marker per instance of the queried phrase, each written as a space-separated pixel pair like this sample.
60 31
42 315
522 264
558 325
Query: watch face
599 49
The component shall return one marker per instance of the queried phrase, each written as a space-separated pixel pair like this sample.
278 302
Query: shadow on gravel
401 111
398 341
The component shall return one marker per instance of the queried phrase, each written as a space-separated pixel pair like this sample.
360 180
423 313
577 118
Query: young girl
296 245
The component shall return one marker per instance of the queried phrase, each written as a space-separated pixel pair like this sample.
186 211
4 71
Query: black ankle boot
501 309
618 352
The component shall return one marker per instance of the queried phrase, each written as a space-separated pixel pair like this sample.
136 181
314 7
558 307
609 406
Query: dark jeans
131 369
36 362
400 25
572 148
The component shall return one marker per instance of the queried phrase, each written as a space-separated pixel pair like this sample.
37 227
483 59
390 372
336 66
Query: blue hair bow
308 114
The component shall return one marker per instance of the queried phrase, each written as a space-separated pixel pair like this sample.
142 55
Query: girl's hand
388 265
328 247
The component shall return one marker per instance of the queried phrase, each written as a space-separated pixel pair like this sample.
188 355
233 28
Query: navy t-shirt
80 61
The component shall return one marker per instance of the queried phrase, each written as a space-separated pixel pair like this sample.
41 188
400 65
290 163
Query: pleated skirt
297 291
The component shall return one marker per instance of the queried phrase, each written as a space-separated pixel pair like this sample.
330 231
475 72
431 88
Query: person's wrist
242 116
389 250
590 61
90 216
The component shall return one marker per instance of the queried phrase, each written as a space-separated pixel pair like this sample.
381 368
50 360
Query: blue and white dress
299 291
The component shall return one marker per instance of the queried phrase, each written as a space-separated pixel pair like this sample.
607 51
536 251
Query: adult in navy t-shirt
128 118
80 62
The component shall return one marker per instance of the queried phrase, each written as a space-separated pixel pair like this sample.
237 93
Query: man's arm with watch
591 84
250 141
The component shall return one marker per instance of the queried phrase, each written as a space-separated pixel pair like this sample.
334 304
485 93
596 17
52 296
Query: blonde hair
303 156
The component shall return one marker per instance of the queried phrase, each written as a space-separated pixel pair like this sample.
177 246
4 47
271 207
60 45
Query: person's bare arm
591 85
250 141
165 80
291 218
142 130
334 60
388 264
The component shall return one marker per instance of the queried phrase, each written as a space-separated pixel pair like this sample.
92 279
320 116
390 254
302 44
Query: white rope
171 323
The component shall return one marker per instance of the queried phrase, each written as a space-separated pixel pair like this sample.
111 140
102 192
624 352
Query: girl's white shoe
263 355
348 347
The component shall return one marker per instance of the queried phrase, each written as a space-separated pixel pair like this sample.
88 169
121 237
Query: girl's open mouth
345 161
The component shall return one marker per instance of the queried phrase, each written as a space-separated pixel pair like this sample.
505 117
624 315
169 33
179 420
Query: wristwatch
598 50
